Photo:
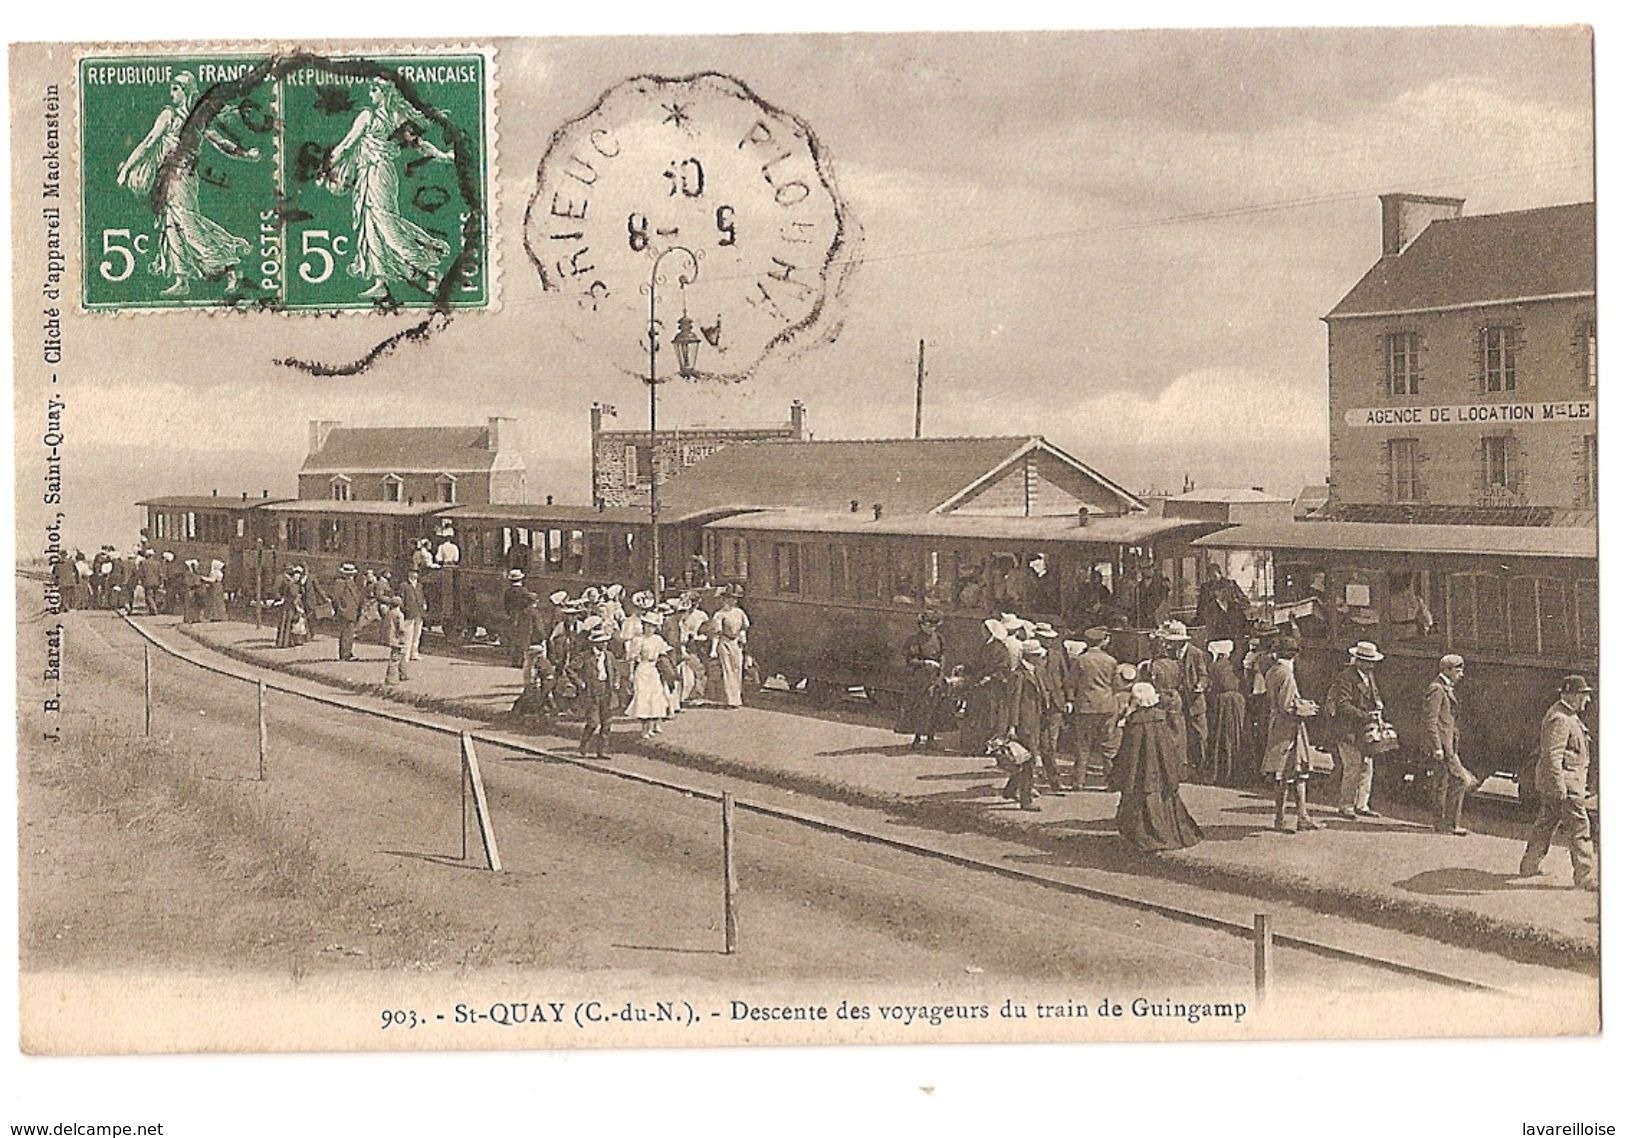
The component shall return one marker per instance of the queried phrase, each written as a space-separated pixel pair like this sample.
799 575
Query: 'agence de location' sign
1473 414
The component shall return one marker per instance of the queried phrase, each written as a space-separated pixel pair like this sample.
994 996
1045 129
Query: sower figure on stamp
190 246
388 247
1451 781
1562 773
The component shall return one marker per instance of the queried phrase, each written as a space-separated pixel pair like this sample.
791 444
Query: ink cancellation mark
286 182
698 162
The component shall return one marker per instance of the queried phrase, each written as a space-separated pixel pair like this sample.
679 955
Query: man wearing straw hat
1354 703
346 609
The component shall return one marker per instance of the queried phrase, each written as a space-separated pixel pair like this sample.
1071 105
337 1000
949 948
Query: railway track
844 829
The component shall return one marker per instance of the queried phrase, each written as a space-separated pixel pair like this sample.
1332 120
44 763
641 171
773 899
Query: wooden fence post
482 812
730 882
1263 953
263 740
146 685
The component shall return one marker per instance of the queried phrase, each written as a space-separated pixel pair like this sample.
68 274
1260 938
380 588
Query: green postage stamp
292 182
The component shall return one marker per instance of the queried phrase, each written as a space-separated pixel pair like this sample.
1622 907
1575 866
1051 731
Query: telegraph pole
919 393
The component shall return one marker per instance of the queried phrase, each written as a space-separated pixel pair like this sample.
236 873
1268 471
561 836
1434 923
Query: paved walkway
1388 871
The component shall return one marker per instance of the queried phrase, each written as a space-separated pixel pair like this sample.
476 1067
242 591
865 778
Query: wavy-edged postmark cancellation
286 181
702 164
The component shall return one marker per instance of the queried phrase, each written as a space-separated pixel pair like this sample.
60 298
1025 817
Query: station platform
1387 871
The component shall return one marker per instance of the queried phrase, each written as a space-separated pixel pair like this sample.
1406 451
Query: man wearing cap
598 678
151 574
346 609
1561 773
394 622
1354 703
1052 669
1028 702
1451 780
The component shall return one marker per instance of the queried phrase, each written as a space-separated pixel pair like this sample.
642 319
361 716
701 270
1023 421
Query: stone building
456 465
1462 368
621 458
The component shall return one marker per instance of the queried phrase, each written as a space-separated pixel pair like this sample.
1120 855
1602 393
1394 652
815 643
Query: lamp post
686 343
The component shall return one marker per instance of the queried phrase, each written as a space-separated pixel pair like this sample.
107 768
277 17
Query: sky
1122 241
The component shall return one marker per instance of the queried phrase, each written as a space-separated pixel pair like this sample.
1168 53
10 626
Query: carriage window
940 574
329 529
970 588
555 548
597 559
902 575
1357 594
1301 593
1539 621
786 567
1478 612
1009 592
191 526
735 561
242 526
841 582
1585 612
575 552
1410 606
624 552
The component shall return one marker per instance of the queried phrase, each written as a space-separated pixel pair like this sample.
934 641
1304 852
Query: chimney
245 495
1083 515
265 493
854 506
798 421
550 499
1404 216
878 508
215 493
319 430
495 429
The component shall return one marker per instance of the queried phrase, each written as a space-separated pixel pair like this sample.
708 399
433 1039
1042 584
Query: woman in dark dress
1227 712
922 707
1150 815
290 611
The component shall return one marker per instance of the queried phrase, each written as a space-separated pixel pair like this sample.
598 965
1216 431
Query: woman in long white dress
388 247
190 246
651 702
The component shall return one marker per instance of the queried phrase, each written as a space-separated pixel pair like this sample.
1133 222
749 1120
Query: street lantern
687 345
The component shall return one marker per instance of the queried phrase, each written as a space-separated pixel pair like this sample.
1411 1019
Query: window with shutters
393 487
1585 615
841 583
1498 343
735 558
341 488
941 571
1404 484
1404 354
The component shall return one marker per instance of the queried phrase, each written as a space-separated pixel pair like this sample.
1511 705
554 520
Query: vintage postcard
806 539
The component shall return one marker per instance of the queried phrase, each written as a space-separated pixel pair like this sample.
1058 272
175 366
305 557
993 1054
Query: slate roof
907 476
1495 257
403 450
1129 529
207 502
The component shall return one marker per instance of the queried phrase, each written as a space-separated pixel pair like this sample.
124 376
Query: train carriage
832 596
1518 603
207 528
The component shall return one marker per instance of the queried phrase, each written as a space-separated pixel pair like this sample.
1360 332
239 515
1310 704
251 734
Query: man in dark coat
516 601
1440 734
921 708
1027 702
151 576
986 714
598 678
346 609
1052 671
1354 703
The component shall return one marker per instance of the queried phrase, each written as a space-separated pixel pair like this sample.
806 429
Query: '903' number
397 1018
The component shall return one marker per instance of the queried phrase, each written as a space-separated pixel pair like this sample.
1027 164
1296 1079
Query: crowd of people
1063 714
142 580
594 656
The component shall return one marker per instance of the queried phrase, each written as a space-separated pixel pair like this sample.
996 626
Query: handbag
324 610
1379 737
298 628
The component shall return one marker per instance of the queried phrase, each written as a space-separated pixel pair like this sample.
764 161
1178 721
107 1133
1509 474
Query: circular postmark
699 165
